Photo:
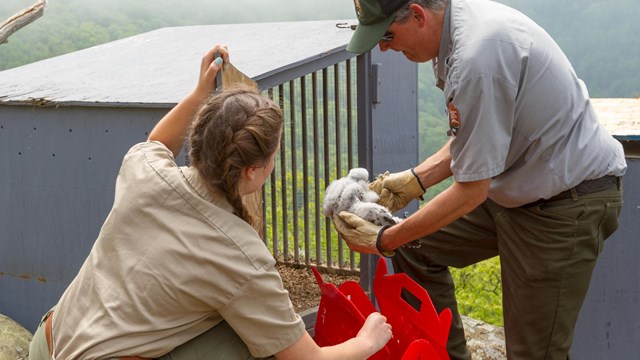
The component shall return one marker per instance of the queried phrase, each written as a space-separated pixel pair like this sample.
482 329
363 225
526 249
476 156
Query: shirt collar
439 63
197 184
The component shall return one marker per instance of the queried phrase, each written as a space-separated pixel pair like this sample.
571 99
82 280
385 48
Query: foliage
479 291
598 37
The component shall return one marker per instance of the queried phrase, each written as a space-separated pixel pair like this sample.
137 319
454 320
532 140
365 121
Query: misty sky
204 11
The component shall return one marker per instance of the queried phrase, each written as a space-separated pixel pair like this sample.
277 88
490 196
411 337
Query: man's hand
359 234
398 189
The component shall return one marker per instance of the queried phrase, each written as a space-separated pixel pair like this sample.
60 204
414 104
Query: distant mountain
599 37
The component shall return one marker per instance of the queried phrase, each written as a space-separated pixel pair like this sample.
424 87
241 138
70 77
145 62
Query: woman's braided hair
232 130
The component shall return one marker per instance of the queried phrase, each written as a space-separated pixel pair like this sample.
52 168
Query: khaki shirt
170 262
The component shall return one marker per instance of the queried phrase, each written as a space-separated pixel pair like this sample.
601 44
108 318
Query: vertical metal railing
319 145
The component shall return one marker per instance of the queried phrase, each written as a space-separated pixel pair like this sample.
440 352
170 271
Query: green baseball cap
374 18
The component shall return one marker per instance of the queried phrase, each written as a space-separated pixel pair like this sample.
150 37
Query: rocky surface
14 340
485 341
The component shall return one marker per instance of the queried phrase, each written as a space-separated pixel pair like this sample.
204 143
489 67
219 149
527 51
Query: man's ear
419 13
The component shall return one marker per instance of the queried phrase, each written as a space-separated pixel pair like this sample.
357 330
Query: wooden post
21 19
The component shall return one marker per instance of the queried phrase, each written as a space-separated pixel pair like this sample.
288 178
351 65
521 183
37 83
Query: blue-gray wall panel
609 322
395 114
57 174
388 95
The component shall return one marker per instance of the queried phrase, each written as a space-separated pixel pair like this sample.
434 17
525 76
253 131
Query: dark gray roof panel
161 66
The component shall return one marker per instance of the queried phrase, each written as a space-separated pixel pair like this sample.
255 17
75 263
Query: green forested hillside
599 37
69 25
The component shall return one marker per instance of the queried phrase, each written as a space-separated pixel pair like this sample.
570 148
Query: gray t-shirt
517 110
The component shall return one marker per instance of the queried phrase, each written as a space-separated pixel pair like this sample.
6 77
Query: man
536 178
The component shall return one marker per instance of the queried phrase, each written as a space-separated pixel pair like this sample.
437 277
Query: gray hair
435 5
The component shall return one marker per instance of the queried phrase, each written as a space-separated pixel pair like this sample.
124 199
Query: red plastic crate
416 334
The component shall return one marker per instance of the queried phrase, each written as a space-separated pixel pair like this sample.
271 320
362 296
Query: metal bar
264 214
327 164
274 204
349 116
352 254
316 167
305 168
294 171
283 184
336 99
365 153
325 133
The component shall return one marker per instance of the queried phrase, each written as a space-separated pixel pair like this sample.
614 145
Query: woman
177 271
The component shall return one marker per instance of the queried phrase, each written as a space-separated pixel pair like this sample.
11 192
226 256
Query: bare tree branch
21 19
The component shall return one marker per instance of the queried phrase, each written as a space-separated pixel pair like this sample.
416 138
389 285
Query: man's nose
384 45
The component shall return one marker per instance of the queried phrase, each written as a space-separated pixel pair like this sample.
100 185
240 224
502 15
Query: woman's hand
172 129
212 62
373 336
375 330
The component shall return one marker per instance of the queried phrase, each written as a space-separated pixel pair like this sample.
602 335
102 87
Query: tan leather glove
398 189
359 234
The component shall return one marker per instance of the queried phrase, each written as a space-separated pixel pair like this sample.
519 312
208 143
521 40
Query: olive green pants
547 255
218 343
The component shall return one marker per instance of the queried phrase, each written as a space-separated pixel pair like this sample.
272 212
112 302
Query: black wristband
389 253
421 197
418 178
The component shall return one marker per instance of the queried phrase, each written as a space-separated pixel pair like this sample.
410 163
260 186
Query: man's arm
448 206
451 204
456 201
435 168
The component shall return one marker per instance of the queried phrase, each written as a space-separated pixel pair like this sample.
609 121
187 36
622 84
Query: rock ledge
14 340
